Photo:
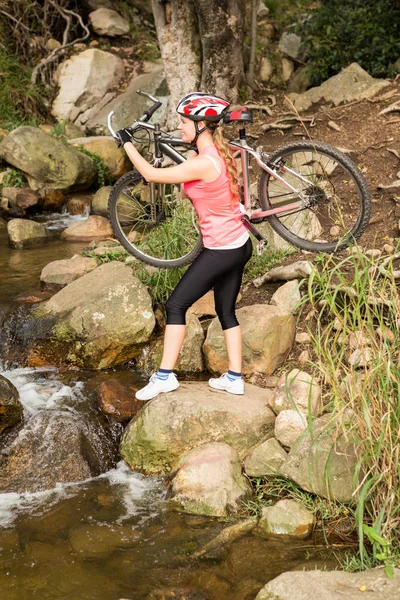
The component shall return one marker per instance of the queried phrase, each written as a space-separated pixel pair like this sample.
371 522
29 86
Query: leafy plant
103 171
14 178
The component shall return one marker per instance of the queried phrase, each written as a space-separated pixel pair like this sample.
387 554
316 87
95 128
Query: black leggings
218 269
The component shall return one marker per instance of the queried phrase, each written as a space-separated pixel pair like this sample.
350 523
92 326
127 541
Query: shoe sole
157 394
222 389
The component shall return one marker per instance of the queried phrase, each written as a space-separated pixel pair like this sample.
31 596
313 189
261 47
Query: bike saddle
242 114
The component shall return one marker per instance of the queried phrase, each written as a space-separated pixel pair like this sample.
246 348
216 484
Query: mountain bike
310 193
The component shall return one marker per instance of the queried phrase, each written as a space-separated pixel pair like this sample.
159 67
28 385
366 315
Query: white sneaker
157 386
223 383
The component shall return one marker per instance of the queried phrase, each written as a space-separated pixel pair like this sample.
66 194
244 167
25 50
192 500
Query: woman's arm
190 170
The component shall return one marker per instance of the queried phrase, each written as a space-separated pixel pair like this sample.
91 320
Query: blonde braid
225 153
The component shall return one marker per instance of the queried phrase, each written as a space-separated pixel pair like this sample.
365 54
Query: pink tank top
220 224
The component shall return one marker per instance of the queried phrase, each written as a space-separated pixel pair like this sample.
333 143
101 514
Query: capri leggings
218 269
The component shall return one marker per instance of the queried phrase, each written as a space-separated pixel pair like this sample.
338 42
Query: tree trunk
221 25
250 74
178 36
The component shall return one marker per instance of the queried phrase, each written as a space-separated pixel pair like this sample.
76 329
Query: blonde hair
225 153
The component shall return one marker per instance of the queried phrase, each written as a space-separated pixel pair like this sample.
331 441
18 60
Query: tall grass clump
354 325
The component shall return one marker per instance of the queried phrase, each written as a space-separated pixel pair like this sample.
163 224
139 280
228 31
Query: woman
210 181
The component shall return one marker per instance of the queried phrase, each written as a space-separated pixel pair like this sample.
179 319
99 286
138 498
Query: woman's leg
173 340
233 341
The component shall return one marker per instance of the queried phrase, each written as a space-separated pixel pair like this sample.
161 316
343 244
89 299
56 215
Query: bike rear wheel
161 231
339 204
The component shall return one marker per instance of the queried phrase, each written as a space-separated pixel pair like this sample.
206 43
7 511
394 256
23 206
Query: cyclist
210 180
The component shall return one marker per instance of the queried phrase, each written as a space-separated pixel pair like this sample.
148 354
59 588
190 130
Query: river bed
114 536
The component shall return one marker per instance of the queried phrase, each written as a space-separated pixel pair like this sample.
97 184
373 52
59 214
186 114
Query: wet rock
100 201
84 80
48 162
79 204
23 198
287 296
194 414
94 228
352 83
97 321
287 517
23 233
54 448
105 21
60 273
265 460
118 401
34 296
325 585
209 481
319 452
268 334
289 426
104 146
11 409
53 200
297 390
99 541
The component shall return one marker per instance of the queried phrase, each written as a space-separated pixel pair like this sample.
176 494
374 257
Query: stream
113 536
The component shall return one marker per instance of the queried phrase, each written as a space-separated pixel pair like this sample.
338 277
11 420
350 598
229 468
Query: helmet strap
193 145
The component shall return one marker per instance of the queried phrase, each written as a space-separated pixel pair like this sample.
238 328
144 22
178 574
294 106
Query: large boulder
60 273
53 448
23 233
194 414
104 146
268 335
287 517
47 162
84 80
105 21
323 461
352 83
209 481
129 106
332 585
97 321
94 228
100 201
265 459
297 390
11 409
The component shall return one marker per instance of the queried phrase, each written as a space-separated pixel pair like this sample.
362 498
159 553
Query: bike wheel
162 232
338 201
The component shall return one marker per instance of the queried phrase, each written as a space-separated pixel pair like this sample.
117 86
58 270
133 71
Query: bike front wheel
338 204
153 223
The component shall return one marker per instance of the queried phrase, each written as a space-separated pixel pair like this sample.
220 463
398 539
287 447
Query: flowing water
113 536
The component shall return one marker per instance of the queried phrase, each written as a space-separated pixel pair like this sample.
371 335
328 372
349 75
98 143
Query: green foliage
161 282
103 172
20 102
113 254
363 31
14 178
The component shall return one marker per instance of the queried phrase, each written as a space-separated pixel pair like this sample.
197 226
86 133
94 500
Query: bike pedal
261 245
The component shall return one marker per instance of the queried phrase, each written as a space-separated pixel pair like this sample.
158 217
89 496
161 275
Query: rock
358 339
297 270
304 224
300 82
105 21
129 106
266 69
297 390
94 228
118 400
204 307
325 585
287 297
289 425
194 414
53 200
373 253
265 459
84 79
53 448
304 358
3 224
11 409
318 453
100 201
79 204
388 249
268 334
263 11
97 321
23 233
303 338
290 44
47 161
209 481
287 69
104 146
287 517
360 357
52 44
352 83
60 273
27 198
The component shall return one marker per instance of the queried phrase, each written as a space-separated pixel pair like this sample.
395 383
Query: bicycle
310 193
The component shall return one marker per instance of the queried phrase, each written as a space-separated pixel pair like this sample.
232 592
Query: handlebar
144 118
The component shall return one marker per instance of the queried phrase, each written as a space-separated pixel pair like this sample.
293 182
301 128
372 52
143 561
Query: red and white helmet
202 107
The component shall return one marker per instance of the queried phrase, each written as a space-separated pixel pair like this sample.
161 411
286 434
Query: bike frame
164 145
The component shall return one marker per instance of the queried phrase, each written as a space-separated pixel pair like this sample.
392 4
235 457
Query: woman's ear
201 124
